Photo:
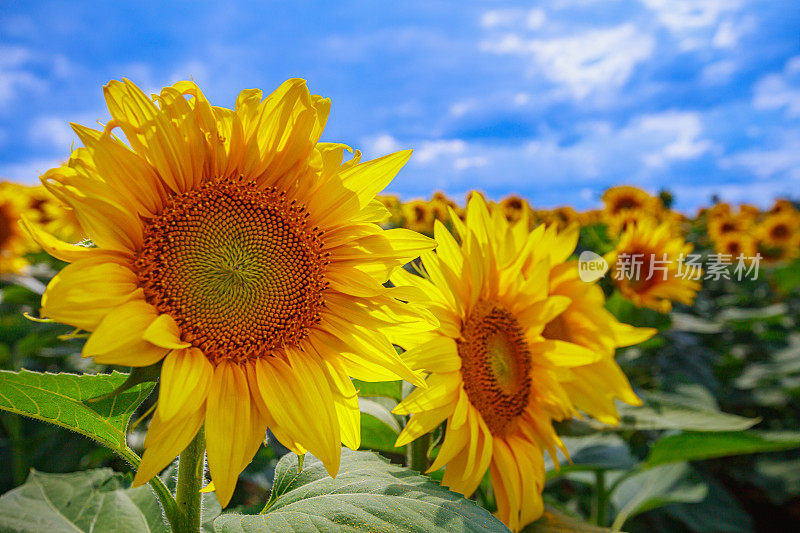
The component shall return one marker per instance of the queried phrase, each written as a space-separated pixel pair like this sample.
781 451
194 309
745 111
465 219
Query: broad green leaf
93 500
61 399
555 521
379 411
379 427
694 446
655 488
604 451
671 411
386 389
368 494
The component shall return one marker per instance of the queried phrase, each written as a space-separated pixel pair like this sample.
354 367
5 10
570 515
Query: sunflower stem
600 500
191 468
417 454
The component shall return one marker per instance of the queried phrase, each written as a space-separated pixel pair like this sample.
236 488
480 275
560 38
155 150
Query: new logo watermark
644 267
591 266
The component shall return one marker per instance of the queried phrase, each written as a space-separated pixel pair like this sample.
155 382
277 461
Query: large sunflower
495 377
246 255
652 267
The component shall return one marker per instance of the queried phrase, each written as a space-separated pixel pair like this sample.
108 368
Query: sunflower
590 217
628 198
782 205
649 266
46 211
515 208
721 209
560 217
494 376
13 242
736 245
441 206
721 225
245 255
592 388
392 205
616 224
779 236
418 216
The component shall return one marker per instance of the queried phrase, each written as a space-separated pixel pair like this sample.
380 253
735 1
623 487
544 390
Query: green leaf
695 446
368 494
93 500
655 488
386 389
604 451
379 427
555 521
787 278
670 411
60 399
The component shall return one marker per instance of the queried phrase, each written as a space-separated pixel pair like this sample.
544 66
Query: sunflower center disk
495 365
5 227
238 268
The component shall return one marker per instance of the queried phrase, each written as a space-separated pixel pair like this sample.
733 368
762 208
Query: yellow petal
118 338
164 332
56 248
229 428
439 354
84 292
289 396
442 391
422 423
567 354
185 382
371 177
165 441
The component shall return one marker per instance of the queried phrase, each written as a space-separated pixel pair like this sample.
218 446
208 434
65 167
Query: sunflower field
212 321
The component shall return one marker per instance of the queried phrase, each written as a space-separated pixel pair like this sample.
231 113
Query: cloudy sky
554 102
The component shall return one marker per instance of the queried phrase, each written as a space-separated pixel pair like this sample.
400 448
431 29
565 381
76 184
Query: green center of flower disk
495 365
239 269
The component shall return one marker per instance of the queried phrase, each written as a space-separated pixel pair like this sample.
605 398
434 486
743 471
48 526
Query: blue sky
552 100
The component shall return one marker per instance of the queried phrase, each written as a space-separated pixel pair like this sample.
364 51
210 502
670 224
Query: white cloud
380 145
430 151
463 163
28 171
594 61
522 98
780 160
759 193
681 15
719 72
497 18
679 133
54 131
14 76
780 91
462 107
191 70
51 131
